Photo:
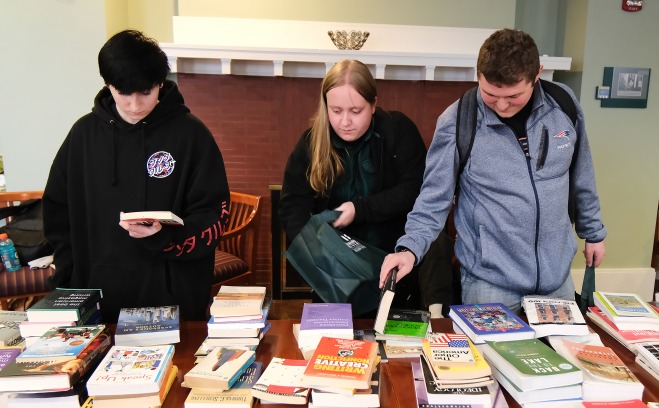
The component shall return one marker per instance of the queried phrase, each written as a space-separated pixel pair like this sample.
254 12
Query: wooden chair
235 257
25 284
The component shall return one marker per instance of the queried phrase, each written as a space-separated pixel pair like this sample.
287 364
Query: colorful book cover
64 304
10 320
407 322
530 364
61 343
7 355
46 375
131 370
451 349
429 393
281 382
143 323
627 304
447 374
489 321
326 316
220 368
341 363
239 396
238 301
630 336
600 362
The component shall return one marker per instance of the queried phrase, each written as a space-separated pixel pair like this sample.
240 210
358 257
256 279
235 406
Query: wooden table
397 386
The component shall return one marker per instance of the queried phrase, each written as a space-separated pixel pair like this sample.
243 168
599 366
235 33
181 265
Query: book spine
95 352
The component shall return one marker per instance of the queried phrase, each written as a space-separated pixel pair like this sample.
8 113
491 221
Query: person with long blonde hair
358 159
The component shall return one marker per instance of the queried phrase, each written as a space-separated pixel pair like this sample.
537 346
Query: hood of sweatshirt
170 104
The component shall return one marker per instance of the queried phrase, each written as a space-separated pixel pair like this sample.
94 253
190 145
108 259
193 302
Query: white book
238 301
553 316
148 217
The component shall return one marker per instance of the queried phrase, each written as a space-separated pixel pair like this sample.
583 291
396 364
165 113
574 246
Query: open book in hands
386 297
147 218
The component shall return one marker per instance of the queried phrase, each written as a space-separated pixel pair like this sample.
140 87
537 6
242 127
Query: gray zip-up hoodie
512 220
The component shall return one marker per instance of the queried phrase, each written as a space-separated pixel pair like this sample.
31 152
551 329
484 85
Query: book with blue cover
61 343
489 321
146 326
220 369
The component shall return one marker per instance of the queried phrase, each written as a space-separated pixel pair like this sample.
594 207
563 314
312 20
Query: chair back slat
242 231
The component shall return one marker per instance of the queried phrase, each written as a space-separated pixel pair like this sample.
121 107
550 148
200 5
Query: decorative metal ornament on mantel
353 40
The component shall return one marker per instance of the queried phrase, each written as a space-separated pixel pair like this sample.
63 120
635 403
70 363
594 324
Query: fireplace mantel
224 46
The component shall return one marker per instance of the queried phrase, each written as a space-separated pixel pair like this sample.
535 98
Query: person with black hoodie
140 149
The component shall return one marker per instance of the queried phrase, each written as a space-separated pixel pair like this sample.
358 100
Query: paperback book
553 396
281 382
131 370
238 341
450 376
220 369
406 325
238 396
61 343
552 316
448 349
153 399
628 338
9 327
489 321
605 375
240 323
232 301
386 298
342 363
8 354
322 319
65 305
530 364
649 354
627 310
368 398
146 326
46 375
147 218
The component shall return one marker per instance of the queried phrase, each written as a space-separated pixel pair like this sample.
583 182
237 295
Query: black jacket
398 154
167 161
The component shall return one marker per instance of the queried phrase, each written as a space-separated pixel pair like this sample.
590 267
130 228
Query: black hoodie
167 161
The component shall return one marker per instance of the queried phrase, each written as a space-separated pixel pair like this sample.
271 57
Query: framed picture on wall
628 87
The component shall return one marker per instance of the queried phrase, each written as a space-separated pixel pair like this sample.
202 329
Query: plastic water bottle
9 255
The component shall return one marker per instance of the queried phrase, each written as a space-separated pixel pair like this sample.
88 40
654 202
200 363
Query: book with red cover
343 363
627 337
281 382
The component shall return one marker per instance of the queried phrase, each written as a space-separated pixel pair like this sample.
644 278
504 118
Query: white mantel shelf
228 60
225 46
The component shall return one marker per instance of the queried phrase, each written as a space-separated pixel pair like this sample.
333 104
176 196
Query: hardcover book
220 368
61 343
238 301
386 297
131 370
239 396
530 364
65 305
9 327
406 324
489 321
341 363
605 376
281 382
148 217
46 375
146 326
552 316
448 349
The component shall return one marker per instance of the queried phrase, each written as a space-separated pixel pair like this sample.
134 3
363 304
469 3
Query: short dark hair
507 57
132 62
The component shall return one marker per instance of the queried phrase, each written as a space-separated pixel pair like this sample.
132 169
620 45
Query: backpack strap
562 98
17 209
465 127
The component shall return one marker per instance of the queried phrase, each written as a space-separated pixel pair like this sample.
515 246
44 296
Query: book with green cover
530 364
406 324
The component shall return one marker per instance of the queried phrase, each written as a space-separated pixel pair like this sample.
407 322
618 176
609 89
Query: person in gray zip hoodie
515 236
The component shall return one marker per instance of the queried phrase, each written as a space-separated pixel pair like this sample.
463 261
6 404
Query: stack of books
627 310
531 371
61 307
343 369
454 362
628 338
10 334
58 363
133 376
552 316
238 317
605 375
322 320
239 395
403 333
648 358
147 326
489 321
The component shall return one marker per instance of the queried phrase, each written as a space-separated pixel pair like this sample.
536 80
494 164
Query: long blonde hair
326 164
